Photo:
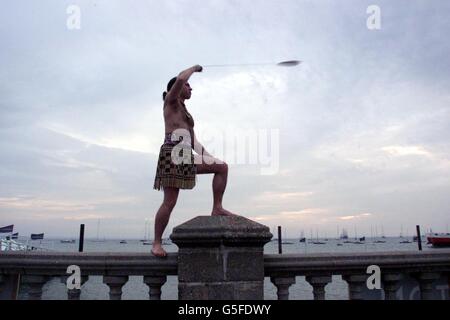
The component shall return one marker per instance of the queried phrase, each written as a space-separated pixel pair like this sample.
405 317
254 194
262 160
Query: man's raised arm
182 78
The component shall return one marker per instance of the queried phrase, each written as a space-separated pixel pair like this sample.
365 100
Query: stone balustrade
34 269
424 267
223 258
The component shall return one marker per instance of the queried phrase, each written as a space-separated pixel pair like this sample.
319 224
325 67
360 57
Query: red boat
439 239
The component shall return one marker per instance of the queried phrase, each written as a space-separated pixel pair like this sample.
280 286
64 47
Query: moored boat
68 241
439 239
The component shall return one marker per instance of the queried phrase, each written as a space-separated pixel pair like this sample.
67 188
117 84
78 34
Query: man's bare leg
219 183
162 219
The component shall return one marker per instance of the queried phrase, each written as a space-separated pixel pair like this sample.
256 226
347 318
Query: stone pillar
115 284
74 294
282 284
154 284
35 284
356 283
391 284
221 257
318 283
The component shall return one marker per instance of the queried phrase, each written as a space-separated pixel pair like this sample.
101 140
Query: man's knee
224 167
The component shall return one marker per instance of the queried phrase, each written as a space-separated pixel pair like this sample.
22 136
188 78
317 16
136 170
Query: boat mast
145 230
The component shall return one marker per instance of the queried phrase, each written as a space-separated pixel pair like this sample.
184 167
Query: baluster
35 284
391 284
283 284
9 286
115 284
2 285
426 280
155 284
74 294
318 283
356 283
3 289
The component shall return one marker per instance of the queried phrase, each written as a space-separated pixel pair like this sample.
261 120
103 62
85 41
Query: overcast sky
363 122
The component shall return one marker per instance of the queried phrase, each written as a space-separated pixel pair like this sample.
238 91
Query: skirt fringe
161 183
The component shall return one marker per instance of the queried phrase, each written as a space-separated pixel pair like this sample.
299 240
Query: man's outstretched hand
198 68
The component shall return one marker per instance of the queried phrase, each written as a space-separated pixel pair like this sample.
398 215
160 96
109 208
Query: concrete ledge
56 263
347 263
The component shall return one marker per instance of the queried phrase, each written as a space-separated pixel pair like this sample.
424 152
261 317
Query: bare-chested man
171 176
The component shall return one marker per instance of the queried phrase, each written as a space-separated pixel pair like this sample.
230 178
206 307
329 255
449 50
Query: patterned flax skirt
170 174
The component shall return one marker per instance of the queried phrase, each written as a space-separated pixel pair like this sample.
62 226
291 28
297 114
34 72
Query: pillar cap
216 230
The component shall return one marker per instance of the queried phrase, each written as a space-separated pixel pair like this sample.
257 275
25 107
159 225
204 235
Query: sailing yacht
146 241
376 237
338 238
145 232
401 236
317 239
344 235
286 242
302 238
98 233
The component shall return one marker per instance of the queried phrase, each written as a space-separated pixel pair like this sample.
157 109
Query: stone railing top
347 263
214 230
90 263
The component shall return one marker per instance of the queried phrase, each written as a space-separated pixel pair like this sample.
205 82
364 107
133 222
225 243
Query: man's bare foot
158 251
222 212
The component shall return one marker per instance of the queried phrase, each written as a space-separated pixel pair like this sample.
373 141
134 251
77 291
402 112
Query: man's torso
176 116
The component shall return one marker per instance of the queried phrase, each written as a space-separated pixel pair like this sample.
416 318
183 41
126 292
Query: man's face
186 93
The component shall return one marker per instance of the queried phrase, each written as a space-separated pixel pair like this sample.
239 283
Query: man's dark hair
169 86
